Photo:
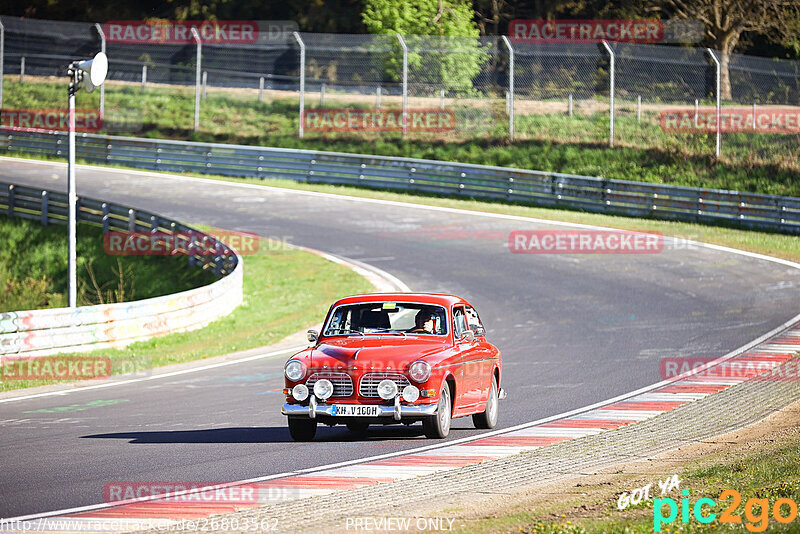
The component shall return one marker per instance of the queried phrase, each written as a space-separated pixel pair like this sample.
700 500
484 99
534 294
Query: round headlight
295 370
300 392
419 371
387 389
410 393
323 388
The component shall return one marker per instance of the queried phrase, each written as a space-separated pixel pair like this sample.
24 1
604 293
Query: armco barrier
749 210
50 331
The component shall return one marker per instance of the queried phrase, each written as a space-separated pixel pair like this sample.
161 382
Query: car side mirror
313 335
468 336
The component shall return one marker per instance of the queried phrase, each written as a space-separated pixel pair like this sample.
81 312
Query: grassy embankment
546 140
33 266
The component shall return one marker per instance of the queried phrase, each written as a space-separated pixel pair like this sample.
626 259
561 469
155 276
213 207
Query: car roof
425 298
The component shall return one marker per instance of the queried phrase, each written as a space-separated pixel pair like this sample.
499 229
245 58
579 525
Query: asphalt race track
573 329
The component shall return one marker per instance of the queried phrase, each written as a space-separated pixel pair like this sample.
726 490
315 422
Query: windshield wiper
389 331
337 331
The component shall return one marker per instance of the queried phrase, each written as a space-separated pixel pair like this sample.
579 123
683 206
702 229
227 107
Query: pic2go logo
756 511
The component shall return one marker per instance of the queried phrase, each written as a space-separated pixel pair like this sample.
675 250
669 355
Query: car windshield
399 318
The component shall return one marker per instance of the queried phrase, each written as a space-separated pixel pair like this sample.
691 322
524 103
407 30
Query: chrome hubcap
444 410
492 408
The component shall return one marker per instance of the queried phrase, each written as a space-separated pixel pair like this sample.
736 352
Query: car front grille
368 387
342 383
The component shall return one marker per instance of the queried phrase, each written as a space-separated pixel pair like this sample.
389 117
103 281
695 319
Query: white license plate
356 410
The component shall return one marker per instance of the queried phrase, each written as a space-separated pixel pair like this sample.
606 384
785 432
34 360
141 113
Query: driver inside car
425 323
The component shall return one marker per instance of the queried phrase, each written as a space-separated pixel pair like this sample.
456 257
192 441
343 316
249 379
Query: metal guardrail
550 189
48 331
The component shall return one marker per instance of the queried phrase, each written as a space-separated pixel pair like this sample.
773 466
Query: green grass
764 163
771 473
33 269
285 290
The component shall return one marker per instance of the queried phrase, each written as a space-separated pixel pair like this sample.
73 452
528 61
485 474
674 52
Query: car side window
474 322
459 322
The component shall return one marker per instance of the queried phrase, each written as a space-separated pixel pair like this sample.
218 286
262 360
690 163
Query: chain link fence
446 88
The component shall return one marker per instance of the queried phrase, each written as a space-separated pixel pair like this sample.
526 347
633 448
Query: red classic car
394 358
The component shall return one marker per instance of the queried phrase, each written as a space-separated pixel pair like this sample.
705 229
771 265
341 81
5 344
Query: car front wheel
438 426
302 428
488 419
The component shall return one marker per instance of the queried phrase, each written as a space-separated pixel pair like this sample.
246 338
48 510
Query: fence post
11 200
45 208
261 89
569 105
638 108
378 97
22 70
510 88
106 211
102 85
198 66
716 63
322 94
144 77
405 83
302 79
441 98
610 94
696 111
2 59
205 79
754 117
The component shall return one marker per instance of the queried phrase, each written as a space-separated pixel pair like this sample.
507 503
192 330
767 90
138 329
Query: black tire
358 427
302 428
438 426
488 419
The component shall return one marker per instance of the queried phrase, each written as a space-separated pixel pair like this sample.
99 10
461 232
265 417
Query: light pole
90 73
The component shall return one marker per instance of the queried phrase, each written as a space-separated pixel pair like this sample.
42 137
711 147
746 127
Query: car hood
383 352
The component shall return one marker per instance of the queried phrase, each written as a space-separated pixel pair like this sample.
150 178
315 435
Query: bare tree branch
726 20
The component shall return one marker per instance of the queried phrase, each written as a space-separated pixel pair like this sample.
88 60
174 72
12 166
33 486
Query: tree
420 17
726 20
441 36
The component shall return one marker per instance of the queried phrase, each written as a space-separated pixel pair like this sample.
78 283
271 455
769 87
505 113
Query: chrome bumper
397 411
